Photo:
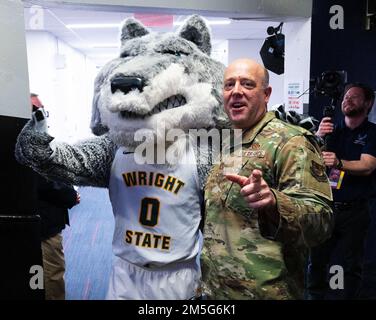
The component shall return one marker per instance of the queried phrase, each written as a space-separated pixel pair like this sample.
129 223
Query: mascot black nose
126 84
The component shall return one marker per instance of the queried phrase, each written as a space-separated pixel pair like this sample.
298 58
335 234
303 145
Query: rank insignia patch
318 171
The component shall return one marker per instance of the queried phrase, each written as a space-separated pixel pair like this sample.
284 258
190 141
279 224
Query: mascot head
159 82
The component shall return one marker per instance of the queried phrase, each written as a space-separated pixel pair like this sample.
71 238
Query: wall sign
294 97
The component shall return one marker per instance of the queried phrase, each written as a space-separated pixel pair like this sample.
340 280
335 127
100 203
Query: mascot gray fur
158 83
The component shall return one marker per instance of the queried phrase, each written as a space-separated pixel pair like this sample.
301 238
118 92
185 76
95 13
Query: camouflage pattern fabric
245 256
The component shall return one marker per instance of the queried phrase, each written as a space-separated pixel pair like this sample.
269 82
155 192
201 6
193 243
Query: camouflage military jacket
245 255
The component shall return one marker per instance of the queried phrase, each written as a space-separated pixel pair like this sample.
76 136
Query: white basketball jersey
157 210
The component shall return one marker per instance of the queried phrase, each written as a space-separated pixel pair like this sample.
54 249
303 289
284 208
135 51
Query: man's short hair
32 95
265 81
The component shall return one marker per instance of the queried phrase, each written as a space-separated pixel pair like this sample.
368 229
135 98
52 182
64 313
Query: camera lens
270 30
331 79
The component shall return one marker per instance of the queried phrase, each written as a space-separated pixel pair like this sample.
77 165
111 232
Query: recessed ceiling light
93 25
105 45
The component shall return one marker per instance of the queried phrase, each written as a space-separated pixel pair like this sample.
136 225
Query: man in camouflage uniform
260 221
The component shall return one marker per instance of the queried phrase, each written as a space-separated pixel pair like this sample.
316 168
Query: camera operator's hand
326 127
78 198
330 159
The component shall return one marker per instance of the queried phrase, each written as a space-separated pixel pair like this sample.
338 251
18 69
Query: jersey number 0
149 212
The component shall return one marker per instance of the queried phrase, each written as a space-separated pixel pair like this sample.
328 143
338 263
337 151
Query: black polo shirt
349 145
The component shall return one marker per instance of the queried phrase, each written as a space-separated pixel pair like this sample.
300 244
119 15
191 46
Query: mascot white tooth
159 83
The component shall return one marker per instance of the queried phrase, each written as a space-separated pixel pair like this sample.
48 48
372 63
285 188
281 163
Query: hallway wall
64 79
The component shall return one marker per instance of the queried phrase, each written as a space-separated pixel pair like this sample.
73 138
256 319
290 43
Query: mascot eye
174 53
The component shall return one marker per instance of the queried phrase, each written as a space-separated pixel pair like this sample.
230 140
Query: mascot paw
40 120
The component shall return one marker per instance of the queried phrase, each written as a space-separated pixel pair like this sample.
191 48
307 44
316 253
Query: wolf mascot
158 83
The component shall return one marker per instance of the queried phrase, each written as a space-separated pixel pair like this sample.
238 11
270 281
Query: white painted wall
220 51
251 49
63 78
14 98
41 48
297 58
297 54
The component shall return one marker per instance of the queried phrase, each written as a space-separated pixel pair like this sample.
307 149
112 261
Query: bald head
246 92
249 64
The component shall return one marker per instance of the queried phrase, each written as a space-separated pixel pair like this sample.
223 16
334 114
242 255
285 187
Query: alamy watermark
171 146
337 280
337 19
37 278
36 18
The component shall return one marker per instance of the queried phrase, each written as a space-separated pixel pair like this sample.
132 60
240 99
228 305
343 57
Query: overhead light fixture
209 22
93 25
105 45
103 55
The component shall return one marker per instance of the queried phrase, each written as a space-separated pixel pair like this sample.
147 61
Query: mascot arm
85 163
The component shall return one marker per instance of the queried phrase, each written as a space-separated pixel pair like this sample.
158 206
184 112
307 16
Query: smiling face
354 103
245 93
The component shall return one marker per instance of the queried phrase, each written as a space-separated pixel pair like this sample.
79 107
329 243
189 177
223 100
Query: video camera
330 84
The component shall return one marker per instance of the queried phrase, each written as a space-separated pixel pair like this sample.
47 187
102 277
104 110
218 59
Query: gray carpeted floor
87 245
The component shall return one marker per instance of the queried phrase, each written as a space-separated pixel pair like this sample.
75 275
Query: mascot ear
132 28
195 30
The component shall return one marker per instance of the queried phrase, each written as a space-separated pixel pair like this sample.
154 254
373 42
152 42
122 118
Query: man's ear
268 92
369 106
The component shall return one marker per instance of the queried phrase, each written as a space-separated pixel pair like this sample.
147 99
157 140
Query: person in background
53 201
350 156
35 102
